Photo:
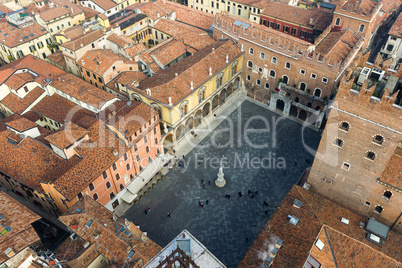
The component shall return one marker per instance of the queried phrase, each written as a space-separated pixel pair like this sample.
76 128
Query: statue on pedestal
220 181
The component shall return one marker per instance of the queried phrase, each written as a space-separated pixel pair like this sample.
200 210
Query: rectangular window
324 80
88 74
294 31
112 195
286 29
145 139
314 76
125 157
303 34
104 174
278 27
135 147
128 167
20 54
155 130
302 72
40 45
271 24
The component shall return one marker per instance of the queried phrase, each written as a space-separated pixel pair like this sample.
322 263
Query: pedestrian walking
266 212
168 214
149 209
229 196
249 191
202 204
239 194
209 182
202 181
206 202
246 239
183 157
203 186
255 193
146 211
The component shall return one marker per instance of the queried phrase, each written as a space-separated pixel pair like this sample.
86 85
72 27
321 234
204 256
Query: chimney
82 62
82 45
115 152
227 58
170 101
176 74
157 14
311 21
213 49
191 85
210 71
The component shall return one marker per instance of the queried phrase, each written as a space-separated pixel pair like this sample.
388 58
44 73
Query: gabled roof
121 40
69 134
12 36
105 4
19 123
120 242
18 80
191 36
392 174
154 11
18 105
54 13
19 219
168 50
195 68
83 40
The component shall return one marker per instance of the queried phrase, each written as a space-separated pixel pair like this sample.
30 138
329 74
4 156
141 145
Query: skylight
89 223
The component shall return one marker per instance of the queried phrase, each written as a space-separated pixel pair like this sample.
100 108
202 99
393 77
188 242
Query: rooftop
316 215
17 232
195 68
18 105
309 18
393 171
168 50
190 35
121 40
364 8
71 33
105 4
396 29
12 36
126 78
83 40
69 134
19 123
58 58
154 11
119 241
53 13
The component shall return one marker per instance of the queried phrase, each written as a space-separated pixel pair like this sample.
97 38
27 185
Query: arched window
258 82
234 68
387 194
272 73
201 94
95 196
219 80
248 78
378 209
184 108
338 142
287 65
297 99
267 85
344 126
337 21
317 92
251 51
262 55
91 186
303 86
378 139
361 28
274 60
250 64
370 155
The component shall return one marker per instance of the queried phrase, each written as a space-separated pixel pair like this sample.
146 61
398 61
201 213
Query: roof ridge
297 188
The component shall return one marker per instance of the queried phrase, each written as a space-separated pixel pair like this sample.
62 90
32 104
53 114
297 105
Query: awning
147 174
128 197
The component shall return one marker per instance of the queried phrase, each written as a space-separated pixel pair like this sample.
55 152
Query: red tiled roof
194 68
126 78
154 11
85 39
365 7
89 12
392 174
71 33
54 13
135 50
105 4
168 50
19 218
57 58
337 45
309 18
121 40
396 29
19 123
18 105
298 240
12 36
111 243
66 136
190 35
60 109
18 80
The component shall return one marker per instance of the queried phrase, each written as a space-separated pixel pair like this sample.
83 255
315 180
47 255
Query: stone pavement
224 225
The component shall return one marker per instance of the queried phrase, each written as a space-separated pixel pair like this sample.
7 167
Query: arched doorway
215 102
206 110
280 105
222 97
189 124
303 86
197 118
168 142
180 132
303 115
285 79
293 111
236 84
229 91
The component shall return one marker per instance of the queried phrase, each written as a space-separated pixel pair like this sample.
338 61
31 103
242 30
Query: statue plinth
220 181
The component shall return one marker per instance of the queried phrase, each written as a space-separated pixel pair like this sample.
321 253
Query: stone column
286 110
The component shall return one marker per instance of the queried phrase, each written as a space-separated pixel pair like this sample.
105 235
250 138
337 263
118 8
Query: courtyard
260 151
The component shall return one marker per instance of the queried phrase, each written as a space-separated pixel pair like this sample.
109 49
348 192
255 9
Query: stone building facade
358 162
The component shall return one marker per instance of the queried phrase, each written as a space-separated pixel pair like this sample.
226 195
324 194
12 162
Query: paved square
224 225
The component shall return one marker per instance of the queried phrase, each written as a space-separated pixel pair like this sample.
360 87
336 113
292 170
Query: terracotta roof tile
121 40
105 4
190 35
309 18
19 218
135 50
112 243
20 123
337 45
69 134
191 16
73 8
33 116
126 78
58 58
18 80
85 39
81 90
13 36
89 12
298 240
60 109
392 174
396 29
54 13
155 11
28 162
168 50
194 68
72 33
18 105
101 60
365 7
5 9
